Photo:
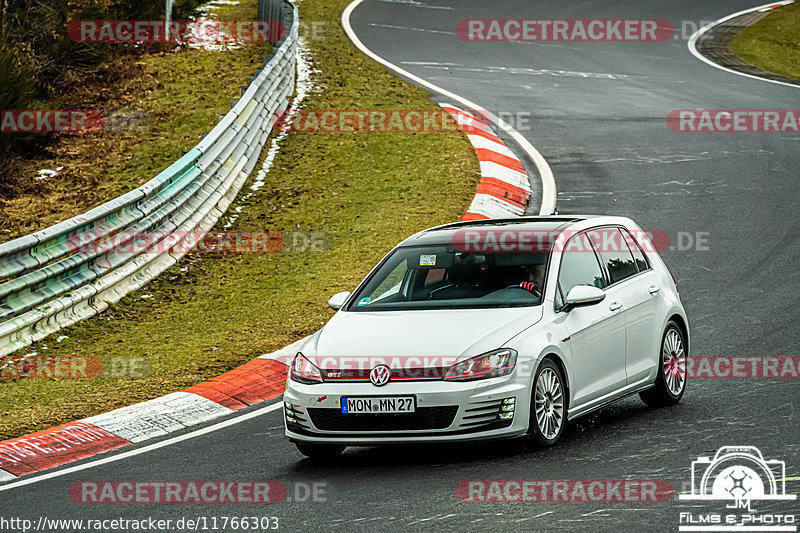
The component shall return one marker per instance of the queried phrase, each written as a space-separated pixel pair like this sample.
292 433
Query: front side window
441 277
579 265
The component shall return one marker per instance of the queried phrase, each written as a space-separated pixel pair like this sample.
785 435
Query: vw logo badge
379 376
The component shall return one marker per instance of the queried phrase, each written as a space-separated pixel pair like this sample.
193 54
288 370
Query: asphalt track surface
599 117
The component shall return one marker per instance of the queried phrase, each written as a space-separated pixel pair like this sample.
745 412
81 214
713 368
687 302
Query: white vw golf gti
491 329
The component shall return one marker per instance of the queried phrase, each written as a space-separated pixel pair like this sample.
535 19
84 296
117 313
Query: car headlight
489 365
304 371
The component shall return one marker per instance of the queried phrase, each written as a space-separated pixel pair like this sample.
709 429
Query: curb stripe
468 117
487 144
473 123
492 207
470 131
504 189
254 382
159 416
55 446
548 200
493 170
473 216
504 160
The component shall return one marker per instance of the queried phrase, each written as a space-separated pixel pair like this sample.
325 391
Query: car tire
548 404
320 452
670 381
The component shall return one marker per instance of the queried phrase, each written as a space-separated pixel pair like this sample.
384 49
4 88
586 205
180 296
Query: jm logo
738 473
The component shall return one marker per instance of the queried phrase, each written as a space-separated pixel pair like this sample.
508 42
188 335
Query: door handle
615 306
652 289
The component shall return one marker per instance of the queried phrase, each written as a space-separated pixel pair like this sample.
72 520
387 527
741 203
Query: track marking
696 35
32 478
548 204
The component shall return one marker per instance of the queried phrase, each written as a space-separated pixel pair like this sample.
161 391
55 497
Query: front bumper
445 412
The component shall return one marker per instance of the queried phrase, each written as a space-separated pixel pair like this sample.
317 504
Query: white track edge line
548 204
696 35
26 480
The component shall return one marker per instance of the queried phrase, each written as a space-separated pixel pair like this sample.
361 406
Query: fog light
507 409
289 413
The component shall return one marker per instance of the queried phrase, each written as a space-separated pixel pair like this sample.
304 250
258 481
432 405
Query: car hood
439 333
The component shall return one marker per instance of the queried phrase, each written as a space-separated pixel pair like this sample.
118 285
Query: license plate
378 404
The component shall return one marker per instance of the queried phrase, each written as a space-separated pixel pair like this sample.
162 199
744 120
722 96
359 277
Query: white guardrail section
49 281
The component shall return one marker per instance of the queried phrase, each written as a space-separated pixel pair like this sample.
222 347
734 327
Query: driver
533 279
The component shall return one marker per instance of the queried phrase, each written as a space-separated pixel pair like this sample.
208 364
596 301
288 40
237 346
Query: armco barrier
48 282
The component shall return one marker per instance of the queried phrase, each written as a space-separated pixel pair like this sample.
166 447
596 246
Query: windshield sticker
364 301
427 260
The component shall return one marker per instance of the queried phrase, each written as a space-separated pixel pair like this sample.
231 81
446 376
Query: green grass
183 93
211 313
773 43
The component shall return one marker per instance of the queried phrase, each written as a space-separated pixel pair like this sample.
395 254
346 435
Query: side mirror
337 300
583 295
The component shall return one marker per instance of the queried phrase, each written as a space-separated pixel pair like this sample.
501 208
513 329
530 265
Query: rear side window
615 252
636 250
579 265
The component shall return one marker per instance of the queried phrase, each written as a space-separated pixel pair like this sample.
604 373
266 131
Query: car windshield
441 277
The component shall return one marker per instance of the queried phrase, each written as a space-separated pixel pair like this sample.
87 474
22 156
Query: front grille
423 418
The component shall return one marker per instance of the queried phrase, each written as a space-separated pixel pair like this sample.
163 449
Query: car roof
551 224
